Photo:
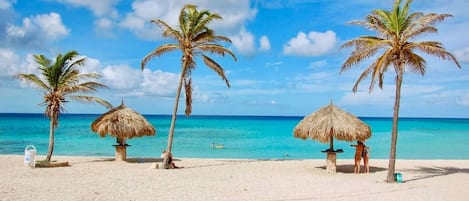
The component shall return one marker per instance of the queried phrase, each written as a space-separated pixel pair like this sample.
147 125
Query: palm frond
217 49
359 55
34 80
435 48
86 87
168 31
380 66
416 63
188 92
363 76
91 99
157 52
216 67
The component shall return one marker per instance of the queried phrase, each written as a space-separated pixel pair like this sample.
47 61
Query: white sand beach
94 178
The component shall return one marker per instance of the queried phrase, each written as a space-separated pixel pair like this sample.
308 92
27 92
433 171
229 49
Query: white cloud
376 97
91 66
462 55
12 64
36 31
464 99
235 14
104 27
427 93
244 42
317 64
264 43
9 60
316 76
138 21
277 63
122 77
159 82
98 7
313 44
51 25
103 9
263 102
134 81
5 4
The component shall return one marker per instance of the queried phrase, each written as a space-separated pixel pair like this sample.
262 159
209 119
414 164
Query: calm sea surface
252 137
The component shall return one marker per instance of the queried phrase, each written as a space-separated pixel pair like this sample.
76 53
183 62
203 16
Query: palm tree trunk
51 140
166 164
395 119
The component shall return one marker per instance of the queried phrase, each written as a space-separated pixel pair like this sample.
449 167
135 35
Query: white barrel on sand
29 155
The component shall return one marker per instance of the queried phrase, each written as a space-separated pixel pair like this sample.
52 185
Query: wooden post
331 162
121 152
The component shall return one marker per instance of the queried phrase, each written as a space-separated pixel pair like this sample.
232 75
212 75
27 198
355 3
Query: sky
288 57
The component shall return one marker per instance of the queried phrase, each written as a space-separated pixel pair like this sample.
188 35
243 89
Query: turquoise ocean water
243 137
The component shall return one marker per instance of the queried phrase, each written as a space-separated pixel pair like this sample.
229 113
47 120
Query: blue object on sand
398 177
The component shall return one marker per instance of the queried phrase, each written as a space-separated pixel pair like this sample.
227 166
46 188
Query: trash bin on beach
29 155
398 177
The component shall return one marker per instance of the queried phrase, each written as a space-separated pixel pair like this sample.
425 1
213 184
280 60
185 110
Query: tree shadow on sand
430 172
349 168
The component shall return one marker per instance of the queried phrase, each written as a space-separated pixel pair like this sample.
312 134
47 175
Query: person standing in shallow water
361 152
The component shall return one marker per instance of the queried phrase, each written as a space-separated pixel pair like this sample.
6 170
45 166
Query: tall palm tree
396 30
61 81
194 39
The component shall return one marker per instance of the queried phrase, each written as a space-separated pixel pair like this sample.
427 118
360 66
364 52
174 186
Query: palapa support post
331 162
121 149
121 152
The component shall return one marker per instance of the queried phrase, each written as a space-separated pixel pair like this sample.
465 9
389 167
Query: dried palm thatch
123 123
332 122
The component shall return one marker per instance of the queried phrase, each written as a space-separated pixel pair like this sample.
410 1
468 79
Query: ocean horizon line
233 115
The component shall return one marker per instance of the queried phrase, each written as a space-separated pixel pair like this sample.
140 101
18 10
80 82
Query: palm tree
61 81
395 31
193 38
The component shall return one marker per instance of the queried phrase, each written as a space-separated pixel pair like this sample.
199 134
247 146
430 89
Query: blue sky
288 57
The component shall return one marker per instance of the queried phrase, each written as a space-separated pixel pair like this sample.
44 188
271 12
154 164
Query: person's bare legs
367 167
356 169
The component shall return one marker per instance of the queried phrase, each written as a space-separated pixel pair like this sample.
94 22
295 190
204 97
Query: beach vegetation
61 81
396 50
194 38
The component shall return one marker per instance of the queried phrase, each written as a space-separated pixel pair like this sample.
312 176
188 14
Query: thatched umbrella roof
332 122
123 123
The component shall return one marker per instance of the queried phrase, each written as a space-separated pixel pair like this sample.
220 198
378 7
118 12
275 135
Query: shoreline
101 178
111 156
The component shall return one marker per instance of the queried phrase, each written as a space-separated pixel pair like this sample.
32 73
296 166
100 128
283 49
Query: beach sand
94 178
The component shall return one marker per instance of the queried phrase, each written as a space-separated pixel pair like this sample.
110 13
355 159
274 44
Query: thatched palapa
331 122
123 123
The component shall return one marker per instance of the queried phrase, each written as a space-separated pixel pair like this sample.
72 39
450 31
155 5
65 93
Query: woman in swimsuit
360 151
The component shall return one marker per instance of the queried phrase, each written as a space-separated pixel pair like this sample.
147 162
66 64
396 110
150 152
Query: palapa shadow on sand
128 160
349 168
145 160
430 172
